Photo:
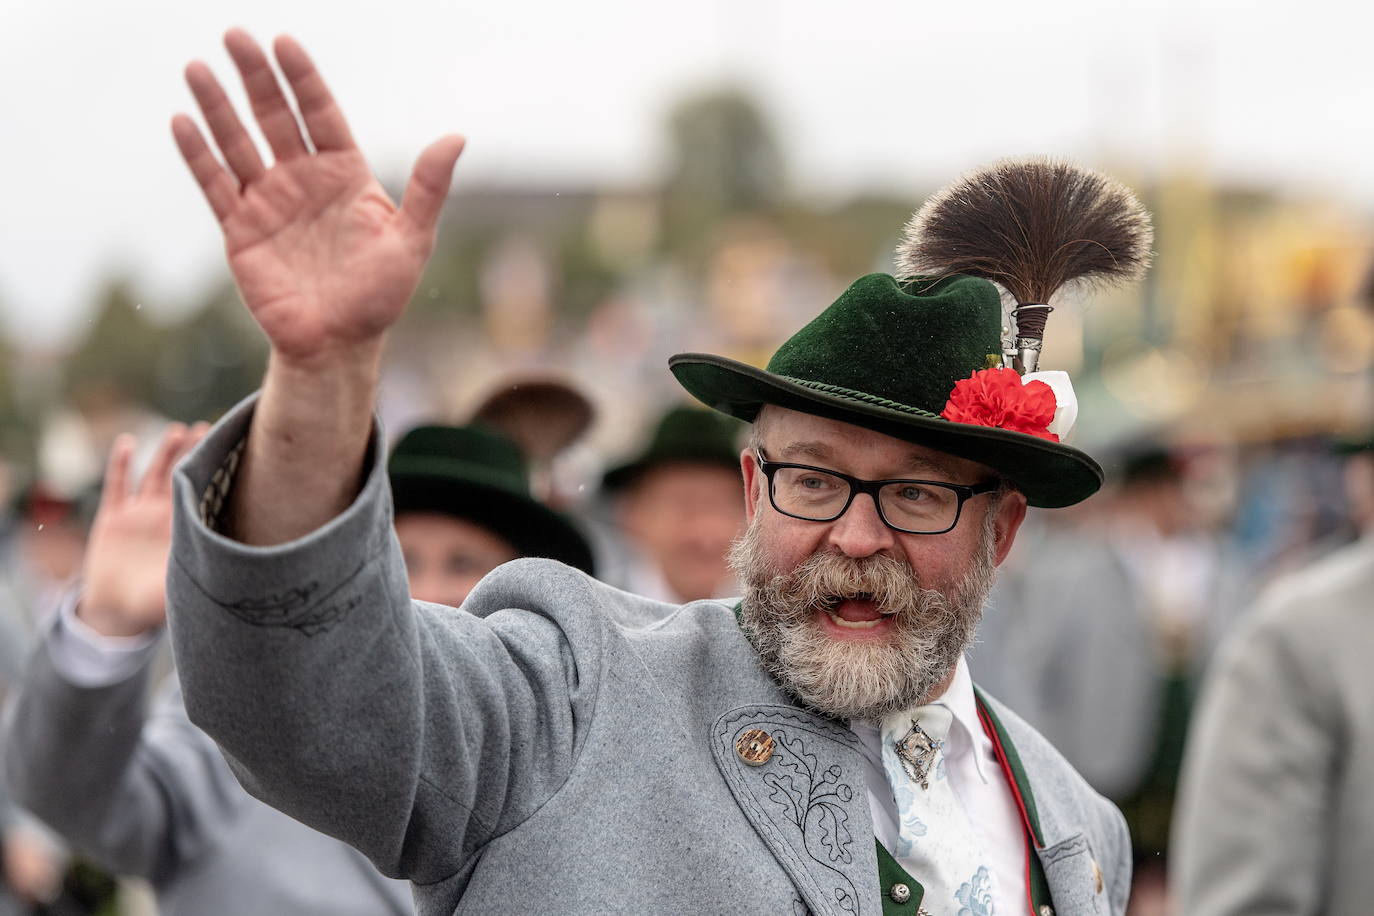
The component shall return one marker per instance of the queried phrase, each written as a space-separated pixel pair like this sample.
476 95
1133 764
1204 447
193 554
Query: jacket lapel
1063 873
798 778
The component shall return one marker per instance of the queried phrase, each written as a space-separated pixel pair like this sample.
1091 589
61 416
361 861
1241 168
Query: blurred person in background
43 552
546 416
463 507
1112 630
32 864
141 790
679 505
1276 812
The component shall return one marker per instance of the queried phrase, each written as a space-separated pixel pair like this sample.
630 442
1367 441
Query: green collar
1011 761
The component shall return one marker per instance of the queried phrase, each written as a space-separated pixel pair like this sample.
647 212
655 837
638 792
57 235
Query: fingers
322 116
157 480
234 142
429 182
274 115
219 187
116 486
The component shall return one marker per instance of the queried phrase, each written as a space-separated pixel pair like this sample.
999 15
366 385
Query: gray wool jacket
551 750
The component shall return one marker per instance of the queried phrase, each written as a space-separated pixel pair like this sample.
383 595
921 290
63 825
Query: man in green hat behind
678 508
463 507
817 746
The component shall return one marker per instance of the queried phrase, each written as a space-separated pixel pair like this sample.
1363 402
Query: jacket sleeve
139 794
1255 790
414 732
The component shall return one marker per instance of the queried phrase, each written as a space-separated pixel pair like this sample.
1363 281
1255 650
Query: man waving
817 746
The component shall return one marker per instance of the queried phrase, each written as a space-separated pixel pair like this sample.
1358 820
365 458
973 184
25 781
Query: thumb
429 182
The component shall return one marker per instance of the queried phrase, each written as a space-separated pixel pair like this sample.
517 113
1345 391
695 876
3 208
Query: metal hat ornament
1034 227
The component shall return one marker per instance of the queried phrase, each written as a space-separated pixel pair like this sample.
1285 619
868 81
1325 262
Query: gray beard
931 627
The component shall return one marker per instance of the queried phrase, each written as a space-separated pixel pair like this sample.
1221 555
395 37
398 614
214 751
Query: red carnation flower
996 397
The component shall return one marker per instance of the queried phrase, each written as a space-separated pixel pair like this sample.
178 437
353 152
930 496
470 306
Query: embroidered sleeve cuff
303 585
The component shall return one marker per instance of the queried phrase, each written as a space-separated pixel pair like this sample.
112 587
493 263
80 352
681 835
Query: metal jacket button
900 893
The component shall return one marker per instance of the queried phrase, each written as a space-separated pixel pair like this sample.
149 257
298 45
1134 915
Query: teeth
854 624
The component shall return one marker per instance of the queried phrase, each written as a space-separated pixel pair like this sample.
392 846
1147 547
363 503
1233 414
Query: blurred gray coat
564 747
1069 641
12 641
1276 812
150 795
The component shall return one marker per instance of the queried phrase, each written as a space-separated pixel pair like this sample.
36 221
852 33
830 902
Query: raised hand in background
126 553
324 260
32 868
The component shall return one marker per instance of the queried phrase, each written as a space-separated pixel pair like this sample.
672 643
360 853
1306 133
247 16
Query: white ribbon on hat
1065 401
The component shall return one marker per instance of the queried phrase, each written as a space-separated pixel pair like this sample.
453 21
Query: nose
860 532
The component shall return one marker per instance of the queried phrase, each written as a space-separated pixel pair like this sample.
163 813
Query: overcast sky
899 94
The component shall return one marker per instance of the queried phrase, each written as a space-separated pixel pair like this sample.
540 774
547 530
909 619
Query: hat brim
1050 474
532 528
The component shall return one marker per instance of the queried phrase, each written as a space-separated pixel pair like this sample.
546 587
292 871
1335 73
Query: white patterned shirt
979 784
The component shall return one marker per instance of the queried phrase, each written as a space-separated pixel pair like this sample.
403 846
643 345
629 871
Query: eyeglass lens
819 496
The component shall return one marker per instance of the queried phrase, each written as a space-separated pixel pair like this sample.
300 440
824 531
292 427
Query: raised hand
126 553
322 257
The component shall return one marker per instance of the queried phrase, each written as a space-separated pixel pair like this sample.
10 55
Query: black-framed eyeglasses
910 506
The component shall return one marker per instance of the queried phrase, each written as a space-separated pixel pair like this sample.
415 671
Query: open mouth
855 612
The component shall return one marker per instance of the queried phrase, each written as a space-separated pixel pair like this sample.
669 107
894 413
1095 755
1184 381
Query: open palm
323 258
126 554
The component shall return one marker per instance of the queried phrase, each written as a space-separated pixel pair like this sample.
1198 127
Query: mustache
824 580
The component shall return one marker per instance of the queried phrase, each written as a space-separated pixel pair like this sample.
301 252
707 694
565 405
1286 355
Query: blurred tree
852 238
585 280
115 356
210 360
723 161
559 222
18 420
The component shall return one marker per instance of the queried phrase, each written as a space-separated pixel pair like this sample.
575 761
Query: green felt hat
684 435
886 356
476 474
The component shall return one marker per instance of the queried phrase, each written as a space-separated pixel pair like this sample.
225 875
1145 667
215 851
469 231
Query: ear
1011 512
753 483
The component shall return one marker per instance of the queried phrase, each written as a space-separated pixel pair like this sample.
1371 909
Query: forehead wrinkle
818 451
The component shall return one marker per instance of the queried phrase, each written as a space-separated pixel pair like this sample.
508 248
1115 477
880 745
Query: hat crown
906 343
684 435
693 434
461 453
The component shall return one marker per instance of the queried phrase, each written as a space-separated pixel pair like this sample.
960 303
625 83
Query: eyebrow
821 451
